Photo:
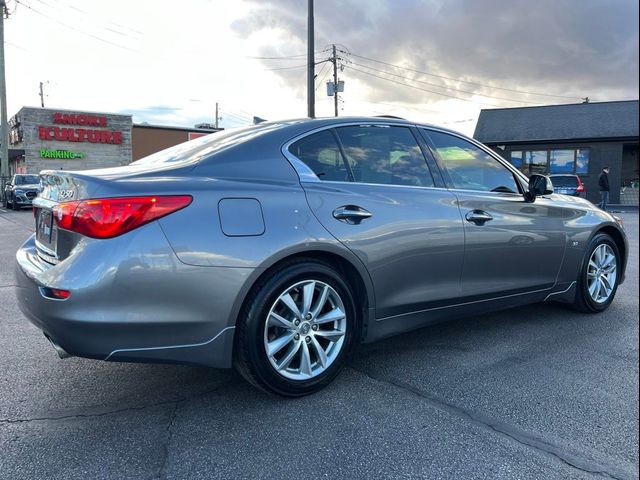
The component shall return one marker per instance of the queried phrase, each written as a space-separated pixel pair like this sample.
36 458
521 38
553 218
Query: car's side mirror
538 185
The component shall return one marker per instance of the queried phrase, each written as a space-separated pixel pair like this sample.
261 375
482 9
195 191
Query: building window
582 160
516 159
536 162
561 161
573 160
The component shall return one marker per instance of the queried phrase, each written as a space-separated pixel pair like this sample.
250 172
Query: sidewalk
619 208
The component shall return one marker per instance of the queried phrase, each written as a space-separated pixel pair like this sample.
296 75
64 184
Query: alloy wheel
305 329
601 273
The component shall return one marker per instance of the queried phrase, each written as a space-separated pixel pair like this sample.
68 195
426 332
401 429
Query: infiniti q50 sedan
275 248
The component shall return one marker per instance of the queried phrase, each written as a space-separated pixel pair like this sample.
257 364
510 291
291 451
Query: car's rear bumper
122 310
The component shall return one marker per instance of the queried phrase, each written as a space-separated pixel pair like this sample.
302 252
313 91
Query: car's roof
319 122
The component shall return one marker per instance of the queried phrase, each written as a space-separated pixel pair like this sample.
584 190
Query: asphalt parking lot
536 392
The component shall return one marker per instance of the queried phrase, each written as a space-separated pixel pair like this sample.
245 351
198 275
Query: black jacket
603 182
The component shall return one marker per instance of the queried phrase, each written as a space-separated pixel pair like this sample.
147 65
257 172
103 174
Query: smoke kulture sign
79 127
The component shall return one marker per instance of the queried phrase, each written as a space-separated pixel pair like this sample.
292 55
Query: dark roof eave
559 140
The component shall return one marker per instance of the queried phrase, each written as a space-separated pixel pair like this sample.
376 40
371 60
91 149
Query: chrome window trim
308 176
343 182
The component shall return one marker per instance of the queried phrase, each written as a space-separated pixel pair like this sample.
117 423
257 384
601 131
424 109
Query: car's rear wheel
599 276
298 326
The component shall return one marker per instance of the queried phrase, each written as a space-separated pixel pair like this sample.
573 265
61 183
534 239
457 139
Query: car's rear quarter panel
129 293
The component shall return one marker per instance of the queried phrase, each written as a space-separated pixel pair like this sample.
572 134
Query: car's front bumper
123 310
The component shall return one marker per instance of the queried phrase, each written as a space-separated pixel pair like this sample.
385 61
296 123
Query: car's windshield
27 179
564 181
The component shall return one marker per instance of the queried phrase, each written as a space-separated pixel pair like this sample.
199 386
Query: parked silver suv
277 247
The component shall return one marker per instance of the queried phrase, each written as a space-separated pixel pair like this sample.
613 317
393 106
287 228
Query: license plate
44 227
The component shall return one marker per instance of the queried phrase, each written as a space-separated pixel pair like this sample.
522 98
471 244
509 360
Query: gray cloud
573 47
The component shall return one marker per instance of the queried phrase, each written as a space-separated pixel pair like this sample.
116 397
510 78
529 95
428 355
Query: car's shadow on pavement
108 386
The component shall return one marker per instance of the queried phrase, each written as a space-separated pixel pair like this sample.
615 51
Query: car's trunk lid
59 186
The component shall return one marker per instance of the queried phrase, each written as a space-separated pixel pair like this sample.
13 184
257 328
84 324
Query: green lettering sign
62 154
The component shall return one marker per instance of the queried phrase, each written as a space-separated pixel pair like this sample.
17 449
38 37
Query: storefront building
56 139
578 139
68 140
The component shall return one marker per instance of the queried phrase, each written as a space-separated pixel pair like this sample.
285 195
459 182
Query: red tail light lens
110 217
59 293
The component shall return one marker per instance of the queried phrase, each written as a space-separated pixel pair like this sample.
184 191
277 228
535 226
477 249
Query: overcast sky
437 61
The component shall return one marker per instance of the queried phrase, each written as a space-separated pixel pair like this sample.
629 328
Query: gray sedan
275 248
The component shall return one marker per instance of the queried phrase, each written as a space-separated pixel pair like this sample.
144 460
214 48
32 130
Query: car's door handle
351 214
479 217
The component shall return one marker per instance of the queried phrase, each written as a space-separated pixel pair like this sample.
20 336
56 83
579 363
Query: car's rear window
564 181
195 150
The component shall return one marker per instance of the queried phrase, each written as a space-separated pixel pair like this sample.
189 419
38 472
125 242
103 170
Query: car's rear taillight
580 188
110 217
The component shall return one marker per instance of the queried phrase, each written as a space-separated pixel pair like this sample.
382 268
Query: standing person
603 183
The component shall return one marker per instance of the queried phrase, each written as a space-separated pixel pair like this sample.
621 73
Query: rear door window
321 153
385 155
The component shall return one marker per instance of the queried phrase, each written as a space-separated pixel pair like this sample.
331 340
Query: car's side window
320 152
469 167
385 155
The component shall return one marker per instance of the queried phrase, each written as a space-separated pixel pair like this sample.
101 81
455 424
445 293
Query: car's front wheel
599 275
298 326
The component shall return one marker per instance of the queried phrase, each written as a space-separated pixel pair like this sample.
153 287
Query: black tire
250 356
583 301
14 205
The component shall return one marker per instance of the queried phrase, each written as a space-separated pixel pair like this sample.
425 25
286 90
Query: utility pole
334 60
4 161
311 63
216 122
42 94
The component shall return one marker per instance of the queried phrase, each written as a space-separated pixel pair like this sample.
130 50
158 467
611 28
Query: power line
285 68
91 16
320 74
292 67
400 106
74 28
432 112
420 88
238 117
11 44
285 57
461 81
445 87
